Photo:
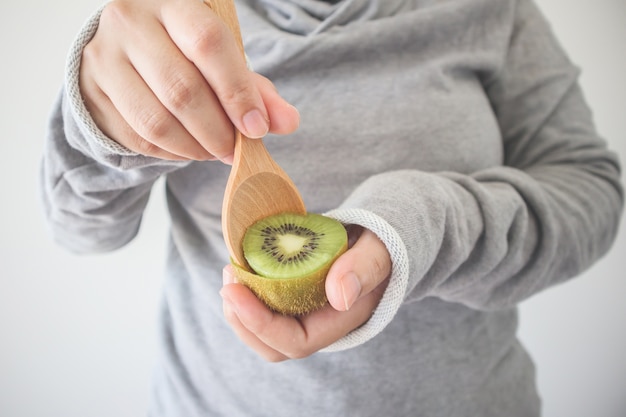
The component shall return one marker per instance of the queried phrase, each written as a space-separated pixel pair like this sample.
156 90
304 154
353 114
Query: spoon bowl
257 188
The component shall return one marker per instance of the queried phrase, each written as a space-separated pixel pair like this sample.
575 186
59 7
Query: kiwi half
289 256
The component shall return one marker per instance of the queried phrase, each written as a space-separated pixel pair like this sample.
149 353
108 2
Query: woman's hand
165 79
354 287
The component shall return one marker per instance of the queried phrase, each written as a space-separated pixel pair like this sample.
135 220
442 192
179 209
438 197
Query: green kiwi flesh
289 255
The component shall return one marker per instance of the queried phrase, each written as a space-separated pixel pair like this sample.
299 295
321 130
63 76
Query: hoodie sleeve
94 190
493 238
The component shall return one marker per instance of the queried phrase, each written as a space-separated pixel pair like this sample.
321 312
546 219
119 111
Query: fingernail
227 276
295 109
351 288
228 304
228 160
256 124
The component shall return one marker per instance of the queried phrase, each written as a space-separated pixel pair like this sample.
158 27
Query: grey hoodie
455 130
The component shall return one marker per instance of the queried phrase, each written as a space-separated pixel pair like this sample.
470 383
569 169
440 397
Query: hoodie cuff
395 292
84 121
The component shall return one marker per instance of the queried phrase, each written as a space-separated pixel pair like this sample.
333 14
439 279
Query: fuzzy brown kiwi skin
291 296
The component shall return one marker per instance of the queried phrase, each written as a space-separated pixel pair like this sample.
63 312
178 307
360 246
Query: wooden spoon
257 186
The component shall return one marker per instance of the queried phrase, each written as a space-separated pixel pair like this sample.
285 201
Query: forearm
495 237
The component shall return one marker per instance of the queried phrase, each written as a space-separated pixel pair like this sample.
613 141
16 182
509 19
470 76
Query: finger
357 272
249 338
284 118
206 41
113 125
106 64
270 333
154 125
180 89
230 313
107 117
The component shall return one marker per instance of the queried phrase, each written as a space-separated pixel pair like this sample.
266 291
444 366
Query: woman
451 138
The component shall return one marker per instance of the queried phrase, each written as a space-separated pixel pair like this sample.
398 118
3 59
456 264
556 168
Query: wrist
395 291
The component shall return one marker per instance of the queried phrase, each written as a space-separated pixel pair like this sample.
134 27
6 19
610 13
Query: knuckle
180 92
235 94
153 125
378 266
91 54
379 270
144 147
209 39
116 13
222 147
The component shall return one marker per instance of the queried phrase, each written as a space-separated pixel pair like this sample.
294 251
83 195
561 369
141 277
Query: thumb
284 118
358 272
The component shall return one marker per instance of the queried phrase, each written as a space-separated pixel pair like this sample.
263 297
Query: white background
77 334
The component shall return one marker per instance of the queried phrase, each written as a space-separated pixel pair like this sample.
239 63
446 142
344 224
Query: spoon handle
257 186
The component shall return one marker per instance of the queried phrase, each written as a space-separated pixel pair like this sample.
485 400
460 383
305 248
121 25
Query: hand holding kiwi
278 337
289 256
